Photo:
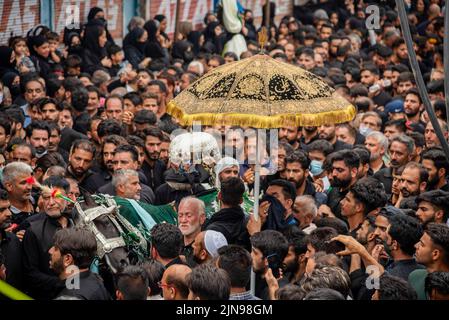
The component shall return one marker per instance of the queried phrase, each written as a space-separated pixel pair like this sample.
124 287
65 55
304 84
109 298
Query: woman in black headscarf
7 60
40 55
94 51
134 48
215 35
96 16
12 81
156 50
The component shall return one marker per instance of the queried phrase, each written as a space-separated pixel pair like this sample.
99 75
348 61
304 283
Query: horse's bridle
104 245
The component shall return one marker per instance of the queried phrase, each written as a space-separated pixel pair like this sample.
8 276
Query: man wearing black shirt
80 161
71 256
106 167
401 150
269 249
345 165
153 167
402 235
327 132
41 282
15 177
10 245
436 163
166 244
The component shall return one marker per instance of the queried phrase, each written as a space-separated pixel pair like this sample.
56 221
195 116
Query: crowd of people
355 210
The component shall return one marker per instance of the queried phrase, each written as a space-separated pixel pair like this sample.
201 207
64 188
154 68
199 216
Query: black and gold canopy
260 92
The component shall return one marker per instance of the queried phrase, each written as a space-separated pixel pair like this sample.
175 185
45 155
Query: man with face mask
318 151
41 281
413 181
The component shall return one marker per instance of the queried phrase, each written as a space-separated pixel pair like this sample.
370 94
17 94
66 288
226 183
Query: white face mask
1 97
365 130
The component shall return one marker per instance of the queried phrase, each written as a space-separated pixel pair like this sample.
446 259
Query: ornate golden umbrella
260 92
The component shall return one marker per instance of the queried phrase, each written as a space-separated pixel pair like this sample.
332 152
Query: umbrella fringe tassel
257 121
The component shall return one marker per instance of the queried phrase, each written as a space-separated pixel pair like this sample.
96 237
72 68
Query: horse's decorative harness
133 236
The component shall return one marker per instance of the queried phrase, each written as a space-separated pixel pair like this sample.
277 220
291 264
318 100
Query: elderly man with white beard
191 216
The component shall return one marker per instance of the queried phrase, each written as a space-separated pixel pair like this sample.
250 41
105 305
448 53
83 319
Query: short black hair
321 145
236 261
160 84
300 157
398 124
44 101
370 192
363 153
438 281
337 224
167 239
79 243
439 233
38 125
232 191
83 144
80 98
324 294
128 148
153 132
209 282
155 271
3 194
319 238
5 123
438 157
135 141
437 198
134 97
349 157
108 127
270 242
132 282
288 189
406 231
395 288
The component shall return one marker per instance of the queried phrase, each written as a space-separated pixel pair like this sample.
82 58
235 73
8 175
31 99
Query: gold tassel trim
263 122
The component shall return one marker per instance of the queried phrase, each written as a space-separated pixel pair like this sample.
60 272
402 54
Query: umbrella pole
256 203
418 76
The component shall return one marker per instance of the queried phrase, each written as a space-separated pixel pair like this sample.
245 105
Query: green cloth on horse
167 213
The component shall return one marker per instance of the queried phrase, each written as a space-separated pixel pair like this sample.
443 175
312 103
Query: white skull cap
214 240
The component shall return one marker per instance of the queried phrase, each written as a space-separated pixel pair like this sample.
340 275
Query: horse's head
100 220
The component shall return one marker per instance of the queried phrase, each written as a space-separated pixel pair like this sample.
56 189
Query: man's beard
411 113
5 225
374 156
285 139
154 156
310 129
431 184
58 266
40 151
291 267
338 183
297 183
362 240
78 173
407 193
